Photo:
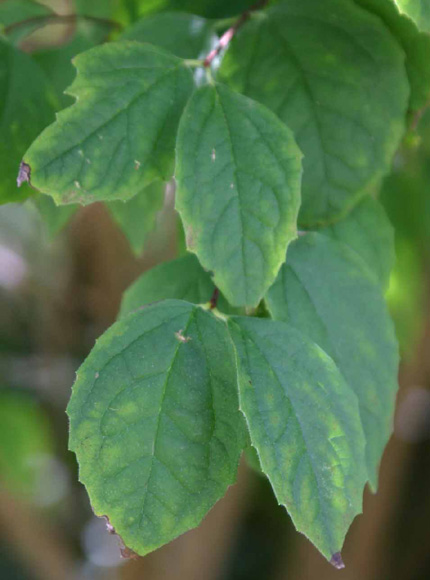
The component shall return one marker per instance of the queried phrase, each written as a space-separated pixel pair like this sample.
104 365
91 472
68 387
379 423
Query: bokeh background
59 293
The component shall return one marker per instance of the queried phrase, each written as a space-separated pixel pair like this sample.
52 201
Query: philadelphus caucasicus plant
275 128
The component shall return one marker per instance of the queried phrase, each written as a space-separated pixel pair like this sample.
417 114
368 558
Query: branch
228 35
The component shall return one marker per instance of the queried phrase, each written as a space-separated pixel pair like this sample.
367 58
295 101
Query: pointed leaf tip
337 562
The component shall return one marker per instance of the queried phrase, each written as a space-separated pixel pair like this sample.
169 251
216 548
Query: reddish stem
228 35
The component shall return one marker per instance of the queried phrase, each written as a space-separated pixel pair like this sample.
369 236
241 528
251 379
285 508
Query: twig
228 35
60 19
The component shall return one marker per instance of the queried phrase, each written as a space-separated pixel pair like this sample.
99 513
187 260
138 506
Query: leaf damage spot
126 553
24 174
181 337
213 155
137 164
337 562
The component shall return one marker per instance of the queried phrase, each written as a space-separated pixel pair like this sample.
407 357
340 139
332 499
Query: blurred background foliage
62 274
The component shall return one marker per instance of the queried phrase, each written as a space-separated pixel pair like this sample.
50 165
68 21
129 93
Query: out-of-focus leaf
418 10
181 279
136 217
368 231
54 217
25 437
406 295
415 44
57 61
184 35
27 102
26 12
131 10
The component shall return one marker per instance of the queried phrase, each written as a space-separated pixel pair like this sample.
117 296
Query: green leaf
406 297
27 104
184 35
368 231
96 8
304 421
25 438
207 8
119 136
19 18
418 10
181 279
325 291
54 217
415 44
154 422
335 75
136 217
238 190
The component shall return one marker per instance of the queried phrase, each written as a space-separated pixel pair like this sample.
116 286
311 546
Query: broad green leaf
18 18
54 217
25 438
418 10
415 44
136 217
335 75
154 422
304 421
326 292
119 136
184 35
27 104
181 279
238 174
368 231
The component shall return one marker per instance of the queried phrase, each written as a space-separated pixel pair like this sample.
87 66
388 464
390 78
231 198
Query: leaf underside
184 35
